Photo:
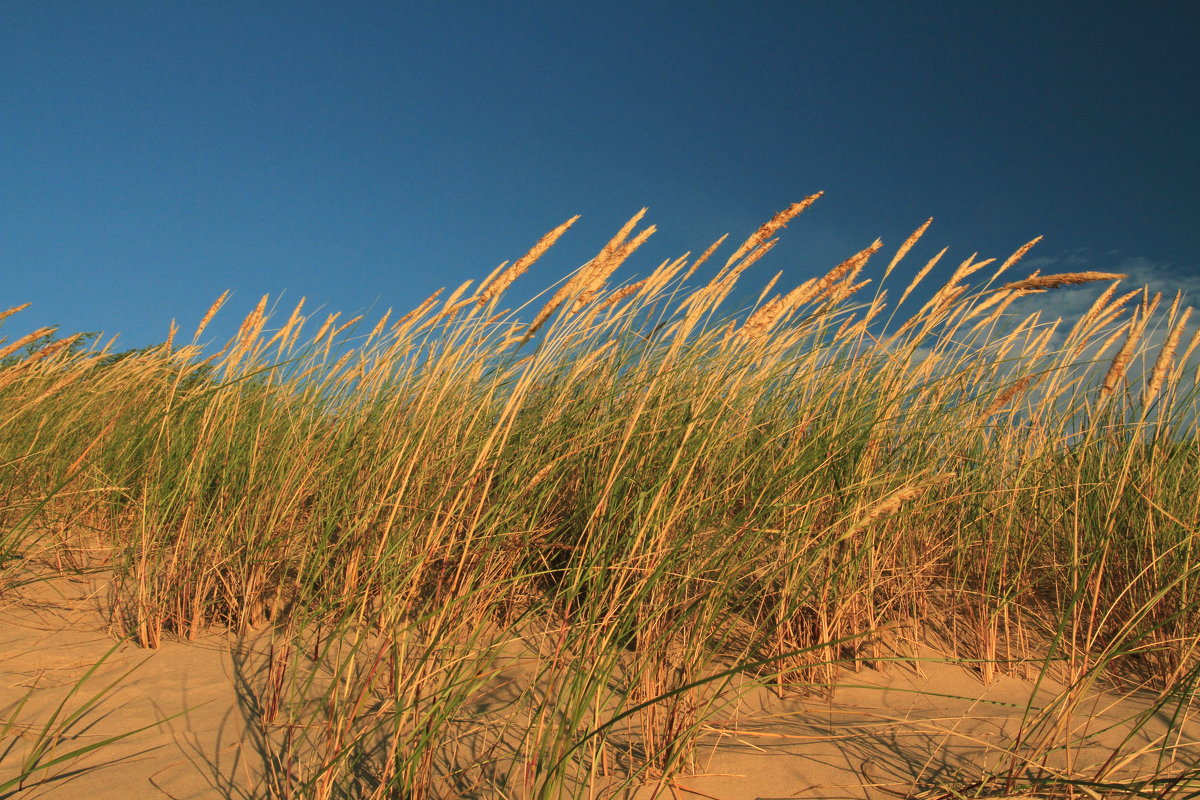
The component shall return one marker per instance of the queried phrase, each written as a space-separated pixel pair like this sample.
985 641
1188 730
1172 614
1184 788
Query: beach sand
892 733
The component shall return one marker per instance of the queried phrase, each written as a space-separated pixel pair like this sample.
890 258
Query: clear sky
154 154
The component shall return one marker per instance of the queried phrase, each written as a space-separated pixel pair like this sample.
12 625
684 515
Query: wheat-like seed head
800 295
767 289
6 314
1108 342
1007 396
846 289
1063 279
1163 363
929 265
379 326
723 284
1187 352
704 256
44 353
622 293
1101 313
1015 257
969 268
893 501
850 267
208 315
770 227
1120 362
283 333
1098 306
984 305
415 314
906 246
345 325
591 276
489 290
26 339
758 323
661 276
592 281
329 320
253 321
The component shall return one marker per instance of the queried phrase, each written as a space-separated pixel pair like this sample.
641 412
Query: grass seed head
1062 279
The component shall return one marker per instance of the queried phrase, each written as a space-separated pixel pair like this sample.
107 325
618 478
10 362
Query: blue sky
154 154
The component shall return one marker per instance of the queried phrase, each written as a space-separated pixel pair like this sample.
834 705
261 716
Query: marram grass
653 498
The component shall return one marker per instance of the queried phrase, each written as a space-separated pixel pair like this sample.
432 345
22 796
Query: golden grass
641 485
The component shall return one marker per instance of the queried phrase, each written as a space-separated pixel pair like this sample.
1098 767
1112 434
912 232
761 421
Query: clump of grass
636 493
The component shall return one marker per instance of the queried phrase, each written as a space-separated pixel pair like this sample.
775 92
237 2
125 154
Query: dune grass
620 505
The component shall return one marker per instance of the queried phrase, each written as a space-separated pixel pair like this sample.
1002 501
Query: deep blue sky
154 154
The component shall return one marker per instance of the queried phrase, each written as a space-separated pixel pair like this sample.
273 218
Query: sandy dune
881 735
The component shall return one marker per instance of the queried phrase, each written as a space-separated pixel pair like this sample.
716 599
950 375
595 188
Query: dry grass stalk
622 293
1009 394
767 289
328 324
760 322
1120 363
593 281
1163 363
208 315
489 290
252 325
662 275
283 334
1187 352
891 503
452 302
1098 306
723 284
969 268
800 295
415 314
1102 350
704 256
906 246
946 296
1037 348
379 326
1099 316
847 270
6 314
50 350
591 276
876 308
769 228
846 289
1063 279
994 298
26 339
1115 308
1015 257
1008 300
925 270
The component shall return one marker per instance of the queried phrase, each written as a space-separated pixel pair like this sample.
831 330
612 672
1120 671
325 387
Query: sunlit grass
629 495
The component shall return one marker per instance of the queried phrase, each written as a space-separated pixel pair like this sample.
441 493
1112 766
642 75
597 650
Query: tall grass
616 505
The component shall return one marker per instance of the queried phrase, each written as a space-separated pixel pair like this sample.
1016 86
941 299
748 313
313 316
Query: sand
901 732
